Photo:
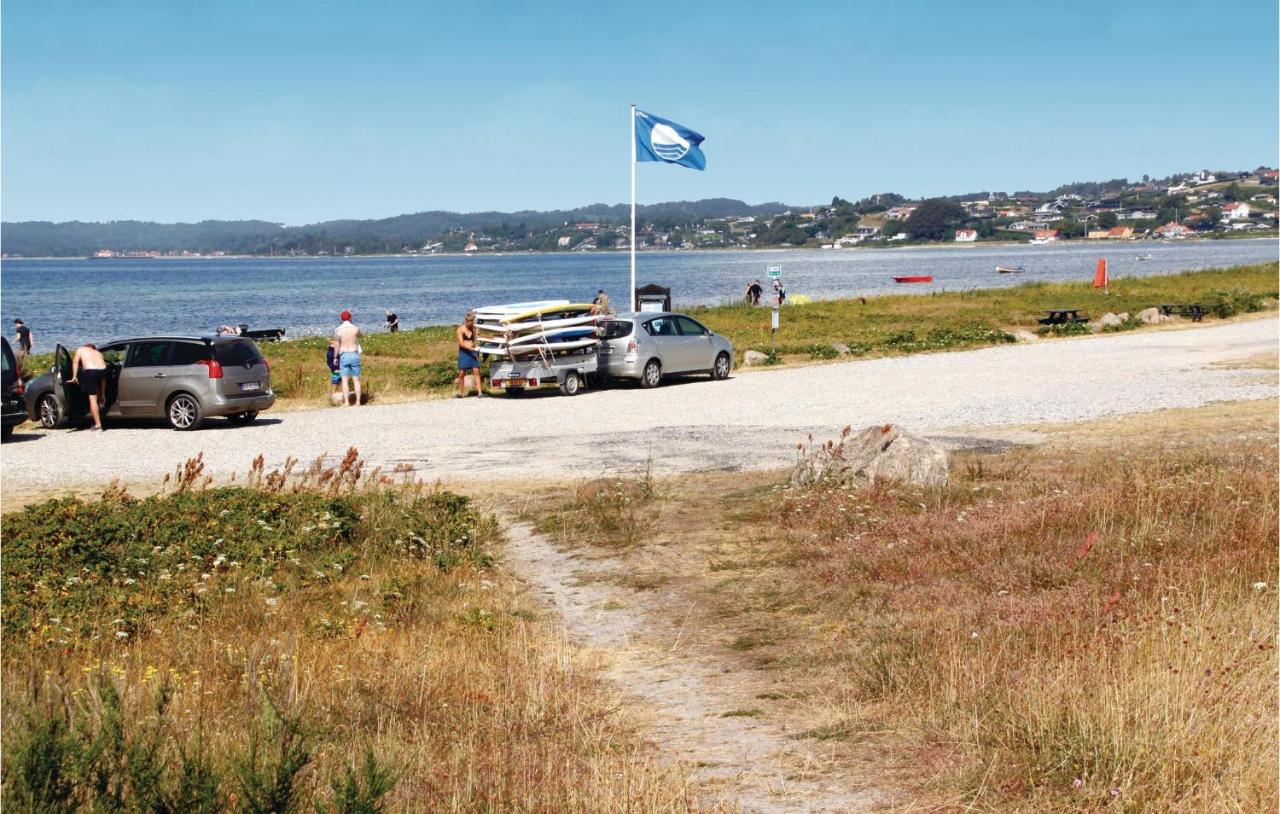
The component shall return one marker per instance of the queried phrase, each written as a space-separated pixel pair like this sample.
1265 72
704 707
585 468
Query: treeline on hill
78 239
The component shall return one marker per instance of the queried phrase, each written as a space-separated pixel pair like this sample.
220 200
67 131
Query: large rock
1151 316
1124 316
1023 335
1108 320
840 348
754 358
885 452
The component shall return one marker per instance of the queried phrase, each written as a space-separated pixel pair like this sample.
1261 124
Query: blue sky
296 112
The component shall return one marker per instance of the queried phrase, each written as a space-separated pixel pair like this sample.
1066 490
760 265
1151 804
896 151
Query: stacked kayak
526 329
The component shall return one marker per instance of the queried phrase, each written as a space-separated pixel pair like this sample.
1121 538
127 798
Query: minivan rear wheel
184 412
651 376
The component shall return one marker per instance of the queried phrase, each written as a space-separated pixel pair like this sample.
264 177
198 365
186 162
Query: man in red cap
347 335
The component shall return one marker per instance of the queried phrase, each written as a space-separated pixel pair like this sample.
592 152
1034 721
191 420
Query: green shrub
77 571
1065 329
1224 304
822 352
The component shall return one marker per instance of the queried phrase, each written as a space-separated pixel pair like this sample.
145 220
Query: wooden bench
1193 310
1063 316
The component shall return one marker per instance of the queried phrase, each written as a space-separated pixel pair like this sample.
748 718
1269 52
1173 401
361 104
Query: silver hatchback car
648 345
183 379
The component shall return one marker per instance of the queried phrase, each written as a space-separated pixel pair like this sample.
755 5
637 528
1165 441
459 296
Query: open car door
74 403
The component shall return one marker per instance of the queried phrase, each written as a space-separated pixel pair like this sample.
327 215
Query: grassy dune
338 645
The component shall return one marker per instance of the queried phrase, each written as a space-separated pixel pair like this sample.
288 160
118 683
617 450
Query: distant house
1120 233
470 247
1098 234
1264 198
1022 226
899 236
1179 189
1204 177
966 235
104 253
563 241
1173 230
899 213
1137 214
1235 211
1045 235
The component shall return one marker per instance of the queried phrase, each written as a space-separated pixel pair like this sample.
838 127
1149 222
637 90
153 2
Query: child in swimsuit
335 377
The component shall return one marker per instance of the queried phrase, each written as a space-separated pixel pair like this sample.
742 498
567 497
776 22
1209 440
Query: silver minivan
182 379
648 345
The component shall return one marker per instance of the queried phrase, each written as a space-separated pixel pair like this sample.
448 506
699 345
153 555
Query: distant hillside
78 239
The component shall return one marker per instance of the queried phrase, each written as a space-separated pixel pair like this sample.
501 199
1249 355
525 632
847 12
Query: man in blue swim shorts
347 335
468 359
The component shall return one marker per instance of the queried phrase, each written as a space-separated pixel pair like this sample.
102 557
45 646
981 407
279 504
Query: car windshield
615 328
237 353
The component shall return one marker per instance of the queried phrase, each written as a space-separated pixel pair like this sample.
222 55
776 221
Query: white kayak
536 325
537 347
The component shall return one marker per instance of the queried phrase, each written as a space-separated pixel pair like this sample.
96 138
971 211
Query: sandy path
740 760
750 421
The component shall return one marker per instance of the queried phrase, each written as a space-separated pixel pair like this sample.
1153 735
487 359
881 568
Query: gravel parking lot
753 420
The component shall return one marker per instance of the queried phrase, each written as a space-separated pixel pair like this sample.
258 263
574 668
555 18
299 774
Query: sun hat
345 315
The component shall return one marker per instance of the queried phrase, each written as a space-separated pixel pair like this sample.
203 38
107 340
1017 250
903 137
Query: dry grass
1085 626
444 673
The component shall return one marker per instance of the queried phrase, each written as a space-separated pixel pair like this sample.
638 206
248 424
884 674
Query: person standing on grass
89 373
347 336
468 358
753 292
335 378
23 335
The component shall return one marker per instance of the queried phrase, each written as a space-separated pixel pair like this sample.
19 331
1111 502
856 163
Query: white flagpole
632 296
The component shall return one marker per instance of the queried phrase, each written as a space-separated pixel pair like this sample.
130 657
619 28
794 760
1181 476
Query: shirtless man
89 371
468 360
347 335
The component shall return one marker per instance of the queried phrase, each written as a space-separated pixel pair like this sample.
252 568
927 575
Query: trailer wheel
571 384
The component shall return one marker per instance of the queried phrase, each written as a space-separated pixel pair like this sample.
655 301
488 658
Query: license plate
250 386
514 382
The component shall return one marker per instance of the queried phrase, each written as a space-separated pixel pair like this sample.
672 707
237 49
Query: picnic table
1193 310
1063 316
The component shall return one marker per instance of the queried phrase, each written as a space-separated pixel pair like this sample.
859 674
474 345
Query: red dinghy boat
914 278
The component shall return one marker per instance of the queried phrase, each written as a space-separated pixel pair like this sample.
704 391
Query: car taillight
533 382
497 382
631 346
215 367
20 388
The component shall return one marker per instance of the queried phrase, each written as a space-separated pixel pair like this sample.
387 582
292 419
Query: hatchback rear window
236 353
616 328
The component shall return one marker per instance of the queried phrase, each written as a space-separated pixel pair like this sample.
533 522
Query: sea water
75 300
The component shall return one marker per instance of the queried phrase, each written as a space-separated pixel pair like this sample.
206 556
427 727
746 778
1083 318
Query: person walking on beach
393 321
89 372
753 292
23 336
347 335
600 305
468 359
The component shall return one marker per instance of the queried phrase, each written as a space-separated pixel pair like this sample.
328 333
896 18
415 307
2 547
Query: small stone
840 348
1023 336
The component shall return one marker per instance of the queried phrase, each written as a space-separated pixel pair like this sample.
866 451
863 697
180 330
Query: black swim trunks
90 378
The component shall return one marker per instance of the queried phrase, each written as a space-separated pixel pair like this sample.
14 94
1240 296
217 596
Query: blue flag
658 139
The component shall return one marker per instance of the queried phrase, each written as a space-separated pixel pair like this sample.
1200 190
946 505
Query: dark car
183 379
15 411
